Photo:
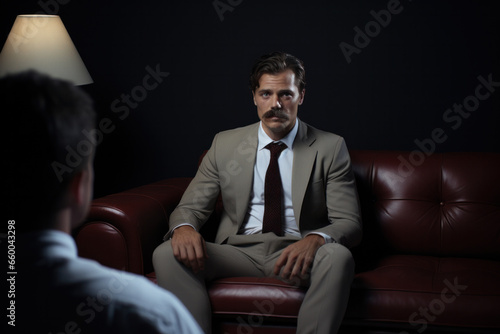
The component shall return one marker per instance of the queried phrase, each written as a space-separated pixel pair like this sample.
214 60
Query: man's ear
80 196
76 188
302 96
253 94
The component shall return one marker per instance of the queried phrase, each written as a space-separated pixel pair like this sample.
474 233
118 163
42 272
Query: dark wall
398 85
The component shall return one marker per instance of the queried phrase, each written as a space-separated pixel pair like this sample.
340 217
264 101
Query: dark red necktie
273 192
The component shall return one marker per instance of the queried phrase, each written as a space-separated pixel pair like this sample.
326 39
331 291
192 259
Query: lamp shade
41 43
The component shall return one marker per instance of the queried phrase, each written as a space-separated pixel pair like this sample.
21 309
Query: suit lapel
304 156
244 157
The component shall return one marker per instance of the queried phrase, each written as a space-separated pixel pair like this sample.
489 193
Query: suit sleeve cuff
169 236
328 239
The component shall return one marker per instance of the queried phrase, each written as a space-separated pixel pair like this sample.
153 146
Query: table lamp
41 43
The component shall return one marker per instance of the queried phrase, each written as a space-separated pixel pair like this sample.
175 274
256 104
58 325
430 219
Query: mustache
280 113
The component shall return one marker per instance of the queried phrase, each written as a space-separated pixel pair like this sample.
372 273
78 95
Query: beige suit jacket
324 193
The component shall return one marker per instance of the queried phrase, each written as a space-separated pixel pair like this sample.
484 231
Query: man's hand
297 258
189 248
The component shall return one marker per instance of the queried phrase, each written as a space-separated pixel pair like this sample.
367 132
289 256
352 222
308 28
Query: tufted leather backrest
442 204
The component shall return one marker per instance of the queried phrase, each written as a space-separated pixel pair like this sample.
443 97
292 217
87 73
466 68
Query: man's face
277 99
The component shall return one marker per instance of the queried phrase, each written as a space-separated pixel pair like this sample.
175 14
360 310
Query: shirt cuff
328 239
184 224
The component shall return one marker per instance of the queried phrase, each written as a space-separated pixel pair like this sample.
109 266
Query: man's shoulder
251 128
92 278
135 298
237 138
309 131
75 288
147 305
126 286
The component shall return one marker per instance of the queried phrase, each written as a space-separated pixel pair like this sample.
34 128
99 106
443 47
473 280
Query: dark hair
45 119
275 63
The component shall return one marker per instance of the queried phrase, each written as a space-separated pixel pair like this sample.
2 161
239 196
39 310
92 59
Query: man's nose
276 103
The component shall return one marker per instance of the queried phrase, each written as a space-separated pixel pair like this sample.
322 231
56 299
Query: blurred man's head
48 157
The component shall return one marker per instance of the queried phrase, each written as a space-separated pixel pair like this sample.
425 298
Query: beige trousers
255 255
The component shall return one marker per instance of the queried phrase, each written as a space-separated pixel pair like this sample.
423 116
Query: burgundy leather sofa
429 261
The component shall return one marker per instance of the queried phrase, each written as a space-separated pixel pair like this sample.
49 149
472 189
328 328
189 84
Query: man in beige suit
320 217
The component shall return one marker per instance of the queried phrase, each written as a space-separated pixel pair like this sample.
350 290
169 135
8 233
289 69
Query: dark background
394 92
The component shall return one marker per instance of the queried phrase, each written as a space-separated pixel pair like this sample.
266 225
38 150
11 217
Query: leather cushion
257 297
415 290
422 290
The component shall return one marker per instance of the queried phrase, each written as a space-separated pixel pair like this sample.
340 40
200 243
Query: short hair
276 63
44 119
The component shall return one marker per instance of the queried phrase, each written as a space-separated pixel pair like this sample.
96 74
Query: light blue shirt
56 291
255 213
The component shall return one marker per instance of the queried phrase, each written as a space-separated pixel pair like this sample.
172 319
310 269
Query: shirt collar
287 140
46 243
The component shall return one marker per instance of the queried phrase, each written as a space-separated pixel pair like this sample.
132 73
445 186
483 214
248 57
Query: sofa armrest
123 229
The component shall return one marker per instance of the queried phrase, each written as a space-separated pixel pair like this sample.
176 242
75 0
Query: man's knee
337 256
163 253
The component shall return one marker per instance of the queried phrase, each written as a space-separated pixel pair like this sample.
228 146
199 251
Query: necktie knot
276 148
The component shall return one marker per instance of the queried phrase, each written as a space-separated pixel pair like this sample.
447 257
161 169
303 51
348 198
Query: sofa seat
254 298
429 261
419 290
413 290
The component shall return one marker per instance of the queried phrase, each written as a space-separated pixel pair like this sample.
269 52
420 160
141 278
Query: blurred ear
80 196
302 94
76 188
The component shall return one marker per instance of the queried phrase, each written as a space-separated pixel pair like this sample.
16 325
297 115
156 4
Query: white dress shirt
56 291
255 213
